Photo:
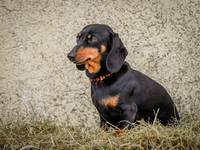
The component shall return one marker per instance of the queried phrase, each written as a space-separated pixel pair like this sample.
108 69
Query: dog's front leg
105 126
129 113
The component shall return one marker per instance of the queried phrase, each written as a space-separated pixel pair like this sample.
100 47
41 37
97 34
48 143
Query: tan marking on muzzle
93 65
111 101
90 57
84 54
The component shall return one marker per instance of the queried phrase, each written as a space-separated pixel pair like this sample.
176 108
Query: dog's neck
100 78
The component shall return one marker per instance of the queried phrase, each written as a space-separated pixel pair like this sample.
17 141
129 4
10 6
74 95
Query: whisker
81 61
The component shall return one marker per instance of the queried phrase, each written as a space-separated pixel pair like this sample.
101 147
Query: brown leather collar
101 78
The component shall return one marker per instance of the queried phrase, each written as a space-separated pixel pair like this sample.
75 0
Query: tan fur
111 101
86 53
93 65
119 133
90 57
103 48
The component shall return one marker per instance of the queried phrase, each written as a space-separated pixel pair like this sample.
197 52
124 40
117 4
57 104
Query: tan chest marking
111 101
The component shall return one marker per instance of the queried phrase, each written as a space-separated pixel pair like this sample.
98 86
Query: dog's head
98 48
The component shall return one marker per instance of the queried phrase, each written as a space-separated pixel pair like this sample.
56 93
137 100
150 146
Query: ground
45 135
37 81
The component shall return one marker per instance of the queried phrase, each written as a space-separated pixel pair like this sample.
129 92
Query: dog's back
153 100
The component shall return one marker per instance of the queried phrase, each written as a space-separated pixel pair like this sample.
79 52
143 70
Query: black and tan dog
120 94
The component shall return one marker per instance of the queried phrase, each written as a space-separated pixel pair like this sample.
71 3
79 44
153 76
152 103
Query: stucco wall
37 81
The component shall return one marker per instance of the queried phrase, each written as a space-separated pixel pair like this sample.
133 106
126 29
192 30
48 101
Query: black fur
139 96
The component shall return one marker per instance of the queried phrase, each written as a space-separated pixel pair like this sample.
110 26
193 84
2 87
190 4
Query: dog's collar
100 78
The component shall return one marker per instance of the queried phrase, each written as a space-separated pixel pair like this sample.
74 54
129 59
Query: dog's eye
91 38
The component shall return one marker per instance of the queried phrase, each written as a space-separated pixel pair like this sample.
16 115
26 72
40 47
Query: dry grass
47 135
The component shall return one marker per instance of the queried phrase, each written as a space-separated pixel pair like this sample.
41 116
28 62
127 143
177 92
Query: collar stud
101 78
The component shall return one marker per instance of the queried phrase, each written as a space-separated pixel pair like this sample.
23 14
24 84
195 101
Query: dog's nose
71 57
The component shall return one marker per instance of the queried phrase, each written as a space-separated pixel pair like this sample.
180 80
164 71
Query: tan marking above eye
92 38
111 101
103 48
89 36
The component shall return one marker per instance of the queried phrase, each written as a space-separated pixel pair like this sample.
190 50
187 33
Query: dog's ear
117 54
80 67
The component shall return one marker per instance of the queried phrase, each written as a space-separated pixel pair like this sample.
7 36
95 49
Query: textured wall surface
37 81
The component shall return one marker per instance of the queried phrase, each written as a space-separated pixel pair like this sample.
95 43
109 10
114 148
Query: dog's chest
107 104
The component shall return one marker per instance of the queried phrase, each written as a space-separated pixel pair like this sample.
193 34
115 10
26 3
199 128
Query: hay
48 135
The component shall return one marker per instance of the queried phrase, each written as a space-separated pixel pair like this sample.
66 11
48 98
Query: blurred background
38 82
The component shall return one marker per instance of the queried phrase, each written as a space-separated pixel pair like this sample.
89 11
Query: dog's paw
119 133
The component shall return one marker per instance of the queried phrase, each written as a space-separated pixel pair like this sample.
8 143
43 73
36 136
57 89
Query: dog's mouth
82 61
86 54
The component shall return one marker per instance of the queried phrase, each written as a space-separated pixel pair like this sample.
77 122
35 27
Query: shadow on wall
37 81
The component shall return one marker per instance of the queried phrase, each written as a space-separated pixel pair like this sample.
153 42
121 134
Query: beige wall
37 80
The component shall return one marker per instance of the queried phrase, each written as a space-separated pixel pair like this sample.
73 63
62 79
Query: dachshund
122 95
